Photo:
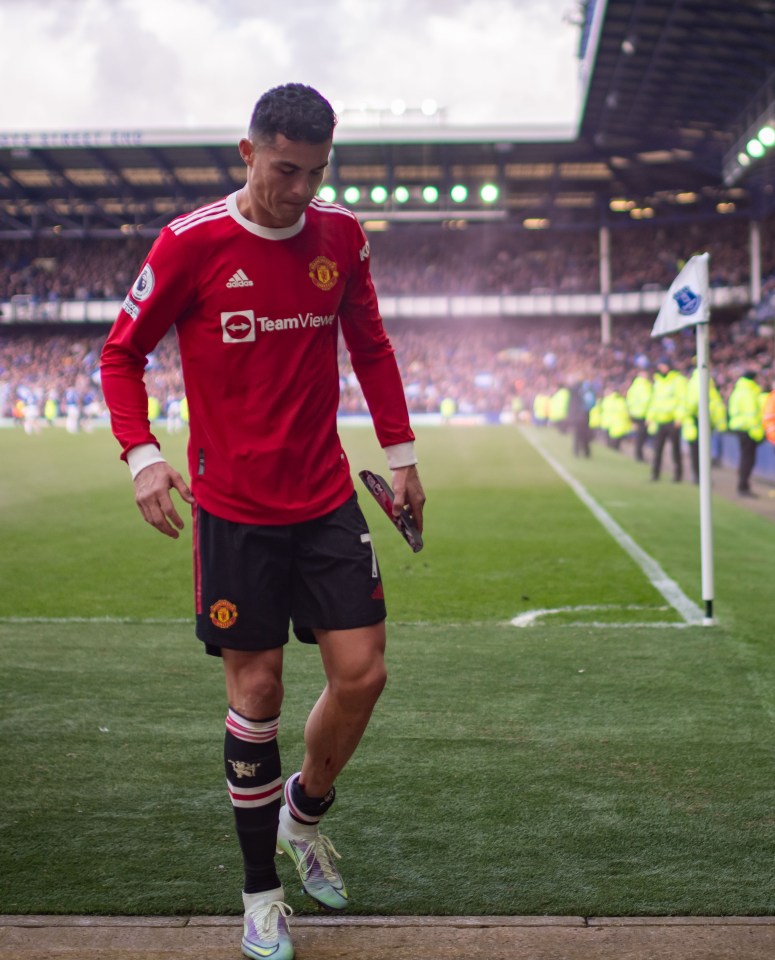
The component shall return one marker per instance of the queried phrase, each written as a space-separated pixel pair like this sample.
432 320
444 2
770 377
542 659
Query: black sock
305 809
252 760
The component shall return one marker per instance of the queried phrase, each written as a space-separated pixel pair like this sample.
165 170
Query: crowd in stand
482 367
54 269
499 369
427 259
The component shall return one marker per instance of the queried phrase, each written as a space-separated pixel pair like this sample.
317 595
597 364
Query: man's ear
246 150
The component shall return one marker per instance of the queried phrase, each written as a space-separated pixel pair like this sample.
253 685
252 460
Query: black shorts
253 581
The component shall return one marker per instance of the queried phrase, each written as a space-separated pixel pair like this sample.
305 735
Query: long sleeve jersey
257 313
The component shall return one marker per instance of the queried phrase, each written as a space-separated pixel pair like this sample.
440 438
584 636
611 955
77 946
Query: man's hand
152 496
408 491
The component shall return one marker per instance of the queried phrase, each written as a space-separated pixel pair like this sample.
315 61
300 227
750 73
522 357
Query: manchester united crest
223 614
323 273
243 769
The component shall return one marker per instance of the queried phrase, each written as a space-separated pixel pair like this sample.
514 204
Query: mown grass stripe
523 620
656 575
140 620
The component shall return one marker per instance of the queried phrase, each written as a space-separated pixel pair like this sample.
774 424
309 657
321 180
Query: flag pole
706 523
688 304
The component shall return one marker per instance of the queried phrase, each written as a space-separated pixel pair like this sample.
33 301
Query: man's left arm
374 364
408 492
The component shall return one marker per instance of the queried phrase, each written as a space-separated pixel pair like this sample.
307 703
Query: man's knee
254 683
373 683
354 662
260 695
362 687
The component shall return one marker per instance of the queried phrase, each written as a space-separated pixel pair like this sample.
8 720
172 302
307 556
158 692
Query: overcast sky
120 64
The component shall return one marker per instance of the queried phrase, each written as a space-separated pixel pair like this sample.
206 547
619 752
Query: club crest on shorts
223 614
323 273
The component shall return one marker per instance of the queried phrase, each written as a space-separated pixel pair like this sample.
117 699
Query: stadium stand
485 310
418 259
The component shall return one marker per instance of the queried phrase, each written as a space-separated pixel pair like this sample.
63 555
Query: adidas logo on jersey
240 280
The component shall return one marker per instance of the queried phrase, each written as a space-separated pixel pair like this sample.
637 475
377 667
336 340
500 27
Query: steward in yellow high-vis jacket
541 409
615 418
638 398
745 419
596 416
558 408
717 412
664 416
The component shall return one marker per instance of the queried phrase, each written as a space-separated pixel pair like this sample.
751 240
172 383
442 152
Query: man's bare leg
354 664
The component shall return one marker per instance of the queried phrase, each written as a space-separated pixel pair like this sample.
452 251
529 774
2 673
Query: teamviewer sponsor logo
238 326
240 279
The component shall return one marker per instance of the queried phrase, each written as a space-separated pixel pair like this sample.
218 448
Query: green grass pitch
606 760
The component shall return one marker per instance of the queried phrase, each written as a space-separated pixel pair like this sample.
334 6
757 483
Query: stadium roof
671 90
682 79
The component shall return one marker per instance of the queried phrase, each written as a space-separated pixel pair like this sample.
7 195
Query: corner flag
687 304
688 300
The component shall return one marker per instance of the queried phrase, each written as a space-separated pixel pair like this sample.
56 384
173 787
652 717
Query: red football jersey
257 313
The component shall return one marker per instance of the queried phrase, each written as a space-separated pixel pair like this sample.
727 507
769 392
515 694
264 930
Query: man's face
282 177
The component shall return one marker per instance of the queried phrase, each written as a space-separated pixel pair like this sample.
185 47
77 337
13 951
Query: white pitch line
667 587
138 620
522 620
529 618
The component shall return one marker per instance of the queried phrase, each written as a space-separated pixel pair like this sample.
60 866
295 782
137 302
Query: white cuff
401 455
138 458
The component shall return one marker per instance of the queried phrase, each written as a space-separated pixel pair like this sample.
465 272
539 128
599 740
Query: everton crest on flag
688 299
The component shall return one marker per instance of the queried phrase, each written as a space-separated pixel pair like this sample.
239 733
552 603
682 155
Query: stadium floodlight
743 159
352 195
398 108
379 194
755 148
489 193
430 194
429 107
327 192
766 136
459 193
401 194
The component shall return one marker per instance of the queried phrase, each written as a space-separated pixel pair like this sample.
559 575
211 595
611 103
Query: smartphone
379 488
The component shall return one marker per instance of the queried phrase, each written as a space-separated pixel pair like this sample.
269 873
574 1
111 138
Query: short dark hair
296 111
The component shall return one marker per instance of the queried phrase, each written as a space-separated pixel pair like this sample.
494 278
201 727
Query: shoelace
271 918
319 851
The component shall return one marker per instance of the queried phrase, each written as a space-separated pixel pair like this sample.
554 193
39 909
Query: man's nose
303 187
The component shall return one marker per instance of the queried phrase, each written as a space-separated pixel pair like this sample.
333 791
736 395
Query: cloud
172 63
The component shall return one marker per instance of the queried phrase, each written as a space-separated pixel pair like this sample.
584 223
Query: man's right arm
152 495
151 306
150 309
